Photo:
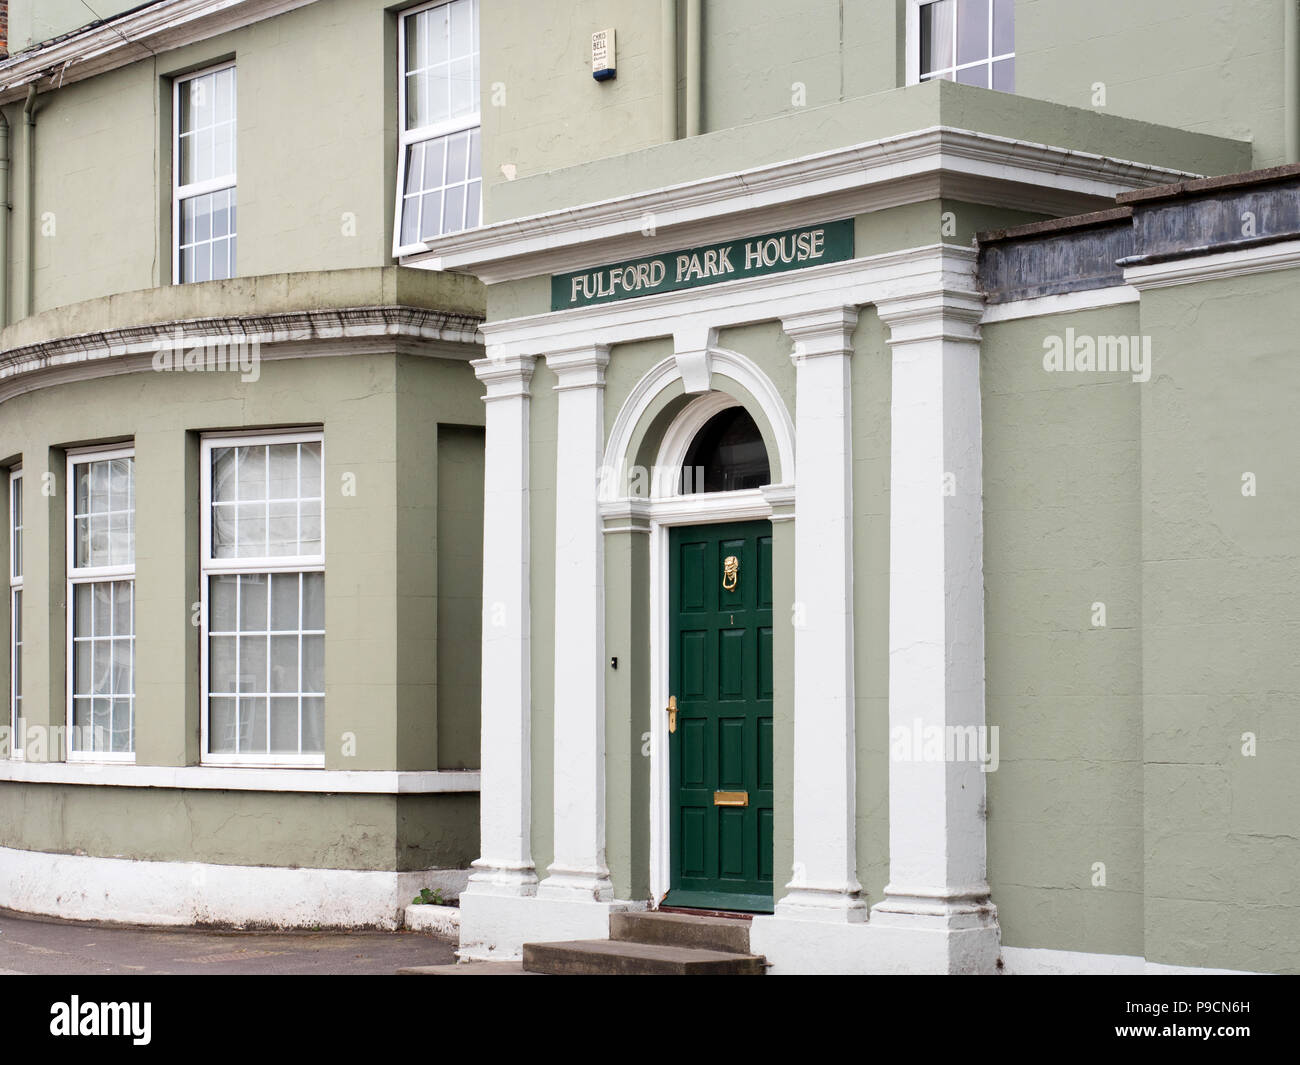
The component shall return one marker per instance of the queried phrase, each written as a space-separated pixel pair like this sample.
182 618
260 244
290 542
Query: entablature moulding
923 293
939 162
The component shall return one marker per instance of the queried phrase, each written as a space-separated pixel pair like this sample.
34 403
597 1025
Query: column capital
505 376
827 331
941 313
582 367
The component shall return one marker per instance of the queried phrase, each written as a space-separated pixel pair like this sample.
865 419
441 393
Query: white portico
935 914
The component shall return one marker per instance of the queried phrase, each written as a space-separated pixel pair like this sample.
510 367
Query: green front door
720 672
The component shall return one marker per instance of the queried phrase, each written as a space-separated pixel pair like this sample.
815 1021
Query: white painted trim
226 181
505 865
1037 961
209 567
839 183
83 888
407 137
730 364
1262 258
91 575
117 42
579 871
1060 303
212 778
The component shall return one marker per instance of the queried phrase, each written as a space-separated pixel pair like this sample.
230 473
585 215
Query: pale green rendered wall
460 594
1062 531
316 145
383 832
1213 66
570 163
1221 624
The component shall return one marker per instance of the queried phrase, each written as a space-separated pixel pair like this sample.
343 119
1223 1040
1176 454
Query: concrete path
34 946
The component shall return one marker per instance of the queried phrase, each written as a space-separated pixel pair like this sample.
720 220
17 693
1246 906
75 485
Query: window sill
213 778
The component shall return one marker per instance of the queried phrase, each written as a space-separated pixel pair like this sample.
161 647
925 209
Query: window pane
104 512
1004 28
937 23
976 75
972 30
221 726
1004 75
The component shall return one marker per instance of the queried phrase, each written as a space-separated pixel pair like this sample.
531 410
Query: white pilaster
505 867
579 872
825 883
938 884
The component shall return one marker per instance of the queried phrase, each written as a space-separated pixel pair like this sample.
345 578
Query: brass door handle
672 713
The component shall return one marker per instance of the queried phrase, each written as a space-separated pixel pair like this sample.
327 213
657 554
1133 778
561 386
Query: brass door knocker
730 572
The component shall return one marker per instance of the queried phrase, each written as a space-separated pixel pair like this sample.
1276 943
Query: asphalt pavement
59 948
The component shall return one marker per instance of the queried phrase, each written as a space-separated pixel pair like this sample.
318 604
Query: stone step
612 957
730 935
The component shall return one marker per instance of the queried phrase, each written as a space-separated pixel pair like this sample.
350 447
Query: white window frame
15 590
197 188
445 128
913 50
211 567
93 575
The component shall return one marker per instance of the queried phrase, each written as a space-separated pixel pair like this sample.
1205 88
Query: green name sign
772 253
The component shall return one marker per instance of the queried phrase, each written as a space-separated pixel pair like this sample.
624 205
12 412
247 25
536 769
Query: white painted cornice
206 778
129 38
841 183
85 356
1217 267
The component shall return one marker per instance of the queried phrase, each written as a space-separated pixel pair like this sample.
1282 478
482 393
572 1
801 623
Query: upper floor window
968 41
101 598
16 611
439 181
263 558
203 177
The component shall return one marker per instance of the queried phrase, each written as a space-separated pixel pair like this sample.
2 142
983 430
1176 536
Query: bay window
439 183
101 605
263 563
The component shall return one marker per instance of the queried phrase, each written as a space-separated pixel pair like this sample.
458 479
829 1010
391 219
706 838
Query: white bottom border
127 891
1035 961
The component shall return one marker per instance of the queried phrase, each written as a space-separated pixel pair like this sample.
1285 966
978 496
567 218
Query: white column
579 872
825 883
937 875
505 867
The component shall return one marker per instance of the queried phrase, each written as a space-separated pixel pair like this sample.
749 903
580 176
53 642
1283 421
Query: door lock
672 713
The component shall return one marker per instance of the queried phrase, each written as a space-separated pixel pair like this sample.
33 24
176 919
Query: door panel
720 668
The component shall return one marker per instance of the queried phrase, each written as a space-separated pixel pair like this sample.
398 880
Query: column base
893 942
829 905
508 879
576 885
496 927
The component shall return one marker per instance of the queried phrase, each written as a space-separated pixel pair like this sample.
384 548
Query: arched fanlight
727 454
